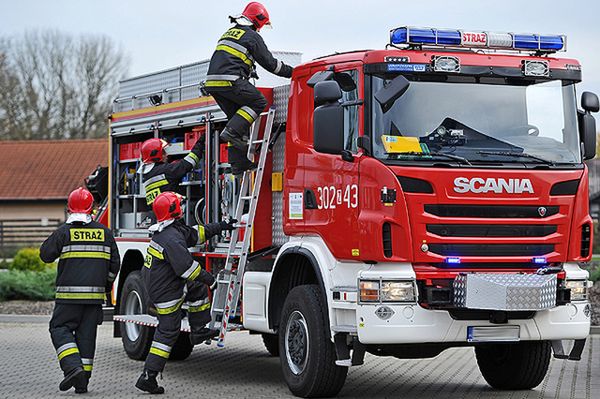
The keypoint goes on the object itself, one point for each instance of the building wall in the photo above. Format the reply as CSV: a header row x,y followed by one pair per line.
x,y
32,210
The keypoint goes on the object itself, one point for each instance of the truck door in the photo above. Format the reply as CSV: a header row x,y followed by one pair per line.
x,y
331,183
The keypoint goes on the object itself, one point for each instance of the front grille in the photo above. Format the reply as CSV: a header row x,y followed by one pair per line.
x,y
386,233
491,211
493,230
485,250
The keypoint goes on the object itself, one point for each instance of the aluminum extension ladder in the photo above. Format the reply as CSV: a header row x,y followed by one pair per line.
x,y
226,298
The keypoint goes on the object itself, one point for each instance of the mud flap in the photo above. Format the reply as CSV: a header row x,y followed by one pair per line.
x,y
576,351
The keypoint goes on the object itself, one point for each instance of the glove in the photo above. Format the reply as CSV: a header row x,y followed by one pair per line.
x,y
224,225
207,278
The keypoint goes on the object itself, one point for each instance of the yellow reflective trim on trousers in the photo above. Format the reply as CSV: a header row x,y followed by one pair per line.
x,y
201,234
171,309
195,273
235,53
245,115
94,255
88,367
80,295
155,253
67,352
217,83
201,308
156,184
159,352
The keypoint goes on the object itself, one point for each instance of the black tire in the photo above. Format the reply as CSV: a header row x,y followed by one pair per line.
x,y
271,342
182,348
516,366
305,316
136,345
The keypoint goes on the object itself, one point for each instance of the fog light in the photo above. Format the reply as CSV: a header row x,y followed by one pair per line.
x,y
397,291
369,291
579,289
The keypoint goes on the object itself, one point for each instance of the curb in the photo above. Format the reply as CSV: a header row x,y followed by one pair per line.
x,y
595,330
43,319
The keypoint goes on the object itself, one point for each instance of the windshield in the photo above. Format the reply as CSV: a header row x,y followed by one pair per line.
x,y
478,122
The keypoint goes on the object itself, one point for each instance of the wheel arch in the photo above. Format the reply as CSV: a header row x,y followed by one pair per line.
x,y
302,268
133,260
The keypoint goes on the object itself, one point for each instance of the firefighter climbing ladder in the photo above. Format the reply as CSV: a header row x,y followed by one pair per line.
x,y
225,302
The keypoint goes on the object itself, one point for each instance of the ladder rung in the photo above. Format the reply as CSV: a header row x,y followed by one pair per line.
x,y
257,142
246,197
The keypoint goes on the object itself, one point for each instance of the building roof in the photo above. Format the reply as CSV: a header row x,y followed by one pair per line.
x,y
47,170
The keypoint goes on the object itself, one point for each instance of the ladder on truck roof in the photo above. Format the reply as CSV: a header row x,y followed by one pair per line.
x,y
226,298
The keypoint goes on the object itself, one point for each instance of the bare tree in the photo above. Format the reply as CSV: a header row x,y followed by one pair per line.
x,y
54,85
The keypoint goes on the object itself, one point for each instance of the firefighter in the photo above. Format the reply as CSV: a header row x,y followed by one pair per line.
x,y
160,176
88,264
231,65
169,269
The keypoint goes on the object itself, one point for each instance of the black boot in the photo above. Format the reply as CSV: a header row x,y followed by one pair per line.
x,y
234,138
73,377
239,161
82,386
202,335
147,383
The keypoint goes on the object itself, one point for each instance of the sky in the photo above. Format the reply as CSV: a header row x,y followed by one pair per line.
x,y
158,34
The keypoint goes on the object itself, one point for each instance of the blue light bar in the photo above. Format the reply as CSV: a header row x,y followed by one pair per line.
x,y
453,260
539,260
477,39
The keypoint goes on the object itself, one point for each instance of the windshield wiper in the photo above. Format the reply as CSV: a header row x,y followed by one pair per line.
x,y
517,154
439,154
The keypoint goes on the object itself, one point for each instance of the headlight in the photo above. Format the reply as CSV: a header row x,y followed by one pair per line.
x,y
579,289
387,291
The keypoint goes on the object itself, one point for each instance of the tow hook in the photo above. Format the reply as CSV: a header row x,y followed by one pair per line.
x,y
548,270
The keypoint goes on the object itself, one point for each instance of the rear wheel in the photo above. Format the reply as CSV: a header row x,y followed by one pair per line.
x,y
271,342
521,365
134,301
306,352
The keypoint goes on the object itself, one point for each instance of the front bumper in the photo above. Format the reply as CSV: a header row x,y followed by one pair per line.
x,y
415,324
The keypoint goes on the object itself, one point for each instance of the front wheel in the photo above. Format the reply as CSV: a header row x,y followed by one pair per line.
x,y
134,301
306,352
515,366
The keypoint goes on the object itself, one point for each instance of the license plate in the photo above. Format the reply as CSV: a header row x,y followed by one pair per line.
x,y
493,333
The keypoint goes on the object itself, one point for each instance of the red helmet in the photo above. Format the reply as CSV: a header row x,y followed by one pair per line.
x,y
257,14
80,201
153,150
167,206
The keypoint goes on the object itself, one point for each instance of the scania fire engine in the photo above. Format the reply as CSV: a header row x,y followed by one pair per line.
x,y
426,196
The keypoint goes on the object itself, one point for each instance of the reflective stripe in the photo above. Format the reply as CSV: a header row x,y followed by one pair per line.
x,y
63,288
87,361
94,255
217,83
279,66
88,364
66,350
233,45
66,346
241,112
192,271
250,112
201,308
169,307
80,295
156,246
198,302
163,347
155,253
88,367
236,53
86,248
201,234
155,179
159,352
231,78
192,159
154,185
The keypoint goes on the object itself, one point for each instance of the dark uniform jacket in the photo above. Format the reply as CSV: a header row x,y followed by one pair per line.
x,y
169,264
88,261
237,51
167,176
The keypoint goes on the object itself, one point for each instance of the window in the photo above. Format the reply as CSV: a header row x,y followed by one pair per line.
x,y
351,114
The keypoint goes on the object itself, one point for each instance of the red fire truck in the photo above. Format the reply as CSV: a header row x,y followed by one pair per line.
x,y
426,196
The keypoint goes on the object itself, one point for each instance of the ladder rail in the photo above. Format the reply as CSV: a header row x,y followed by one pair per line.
x,y
248,192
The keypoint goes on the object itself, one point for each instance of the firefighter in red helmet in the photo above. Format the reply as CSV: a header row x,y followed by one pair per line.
x,y
231,65
88,264
169,270
160,176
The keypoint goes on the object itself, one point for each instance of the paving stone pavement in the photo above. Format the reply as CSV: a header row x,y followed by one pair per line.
x,y
28,369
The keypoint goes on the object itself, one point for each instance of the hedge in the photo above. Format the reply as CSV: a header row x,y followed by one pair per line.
x,y
17,284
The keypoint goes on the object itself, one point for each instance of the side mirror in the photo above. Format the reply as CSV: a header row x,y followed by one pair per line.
x,y
589,102
587,132
327,92
388,94
328,119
